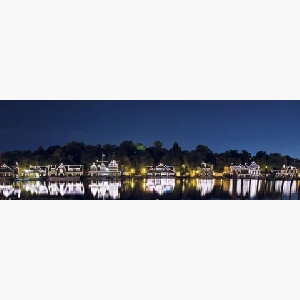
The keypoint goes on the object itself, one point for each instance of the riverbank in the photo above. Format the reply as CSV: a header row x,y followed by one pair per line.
x,y
9,180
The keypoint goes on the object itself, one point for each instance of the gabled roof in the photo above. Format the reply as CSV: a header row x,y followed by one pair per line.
x,y
61,167
113,163
5,168
167,168
289,168
252,166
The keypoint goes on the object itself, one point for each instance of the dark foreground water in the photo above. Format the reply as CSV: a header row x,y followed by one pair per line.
x,y
145,189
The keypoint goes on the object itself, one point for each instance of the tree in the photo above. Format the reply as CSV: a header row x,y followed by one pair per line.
x,y
89,154
110,151
187,159
146,159
174,156
140,147
176,148
158,144
157,153
125,161
226,159
74,150
52,149
200,155
58,156
127,148
275,161
40,150
245,156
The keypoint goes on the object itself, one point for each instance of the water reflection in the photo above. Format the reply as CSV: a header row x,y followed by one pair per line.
x,y
105,189
54,188
9,190
160,185
285,187
244,188
6,190
36,187
262,189
73,188
205,186
153,188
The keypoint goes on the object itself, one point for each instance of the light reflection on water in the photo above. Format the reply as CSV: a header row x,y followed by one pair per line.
x,y
205,186
153,188
160,185
246,188
105,189
286,187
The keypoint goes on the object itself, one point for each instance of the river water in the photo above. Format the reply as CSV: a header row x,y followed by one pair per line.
x,y
147,189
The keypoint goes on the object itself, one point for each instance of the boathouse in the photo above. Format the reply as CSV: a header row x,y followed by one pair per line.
x,y
35,172
246,171
161,170
65,170
287,172
206,170
112,170
6,171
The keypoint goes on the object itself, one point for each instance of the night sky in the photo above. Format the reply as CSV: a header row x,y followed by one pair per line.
x,y
271,126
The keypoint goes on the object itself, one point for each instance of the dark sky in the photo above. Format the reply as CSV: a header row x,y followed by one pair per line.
x,y
271,126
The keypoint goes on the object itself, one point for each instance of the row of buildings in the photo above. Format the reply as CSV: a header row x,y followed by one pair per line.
x,y
253,171
40,172
101,169
240,171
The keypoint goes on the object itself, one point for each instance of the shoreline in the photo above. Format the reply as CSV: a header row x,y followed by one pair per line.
x,y
7,180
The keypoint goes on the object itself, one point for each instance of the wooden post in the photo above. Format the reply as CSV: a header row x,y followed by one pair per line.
x,y
265,189
290,196
257,188
249,189
242,185
234,183
281,192
273,190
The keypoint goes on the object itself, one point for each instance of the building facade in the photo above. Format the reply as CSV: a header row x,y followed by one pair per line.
x,y
34,172
245,171
161,170
65,170
6,172
206,170
287,172
101,170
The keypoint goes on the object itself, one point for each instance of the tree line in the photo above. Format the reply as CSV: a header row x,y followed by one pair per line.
x,y
138,156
